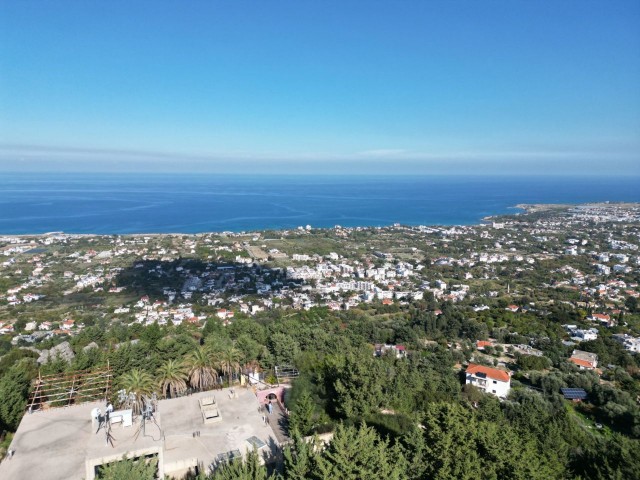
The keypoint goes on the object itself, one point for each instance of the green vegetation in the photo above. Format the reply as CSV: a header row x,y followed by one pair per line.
x,y
129,469
397,416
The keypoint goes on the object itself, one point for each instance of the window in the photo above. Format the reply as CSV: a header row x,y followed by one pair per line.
x,y
493,391
494,382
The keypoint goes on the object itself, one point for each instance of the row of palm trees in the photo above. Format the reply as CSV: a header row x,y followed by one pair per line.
x,y
200,370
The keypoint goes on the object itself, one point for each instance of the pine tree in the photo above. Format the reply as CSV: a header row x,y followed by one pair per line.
x,y
302,415
359,454
129,469
451,450
414,450
246,469
358,386
300,458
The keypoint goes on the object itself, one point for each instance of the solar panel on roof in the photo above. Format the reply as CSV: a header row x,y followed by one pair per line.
x,y
256,442
574,393
228,456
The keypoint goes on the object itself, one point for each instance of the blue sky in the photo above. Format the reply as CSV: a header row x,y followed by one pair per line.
x,y
333,86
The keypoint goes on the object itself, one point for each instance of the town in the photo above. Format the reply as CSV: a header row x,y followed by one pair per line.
x,y
240,273
543,301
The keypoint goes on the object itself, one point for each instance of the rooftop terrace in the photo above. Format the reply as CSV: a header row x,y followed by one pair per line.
x,y
65,443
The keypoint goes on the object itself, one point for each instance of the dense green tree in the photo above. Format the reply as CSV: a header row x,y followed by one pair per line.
x,y
284,348
129,469
451,451
300,457
129,356
357,384
403,384
14,391
87,359
614,458
19,324
13,357
151,335
302,415
5,345
250,348
632,304
175,347
248,468
214,327
246,326
460,446
358,453
532,362
414,449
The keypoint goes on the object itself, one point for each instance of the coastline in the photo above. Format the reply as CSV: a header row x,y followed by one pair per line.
x,y
525,208
179,205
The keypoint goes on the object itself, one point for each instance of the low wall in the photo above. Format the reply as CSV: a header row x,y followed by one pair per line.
x,y
277,391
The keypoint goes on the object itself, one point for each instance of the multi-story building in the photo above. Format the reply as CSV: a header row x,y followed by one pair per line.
x,y
491,380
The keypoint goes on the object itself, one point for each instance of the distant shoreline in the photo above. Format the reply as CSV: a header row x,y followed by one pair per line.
x,y
185,205
525,207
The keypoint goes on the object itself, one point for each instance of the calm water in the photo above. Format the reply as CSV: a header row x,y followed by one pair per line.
x,y
85,203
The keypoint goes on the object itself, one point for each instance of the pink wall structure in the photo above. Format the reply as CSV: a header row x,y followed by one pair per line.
x,y
277,391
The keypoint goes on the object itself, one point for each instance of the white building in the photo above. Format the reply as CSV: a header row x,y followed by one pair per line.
x,y
440,285
586,335
630,343
491,380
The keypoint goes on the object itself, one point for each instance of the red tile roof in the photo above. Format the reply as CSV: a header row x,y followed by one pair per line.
x,y
492,373
581,363
483,343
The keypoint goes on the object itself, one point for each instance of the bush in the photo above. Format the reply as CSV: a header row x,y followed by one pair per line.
x,y
532,362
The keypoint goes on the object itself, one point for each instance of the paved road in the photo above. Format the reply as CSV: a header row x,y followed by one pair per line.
x,y
279,424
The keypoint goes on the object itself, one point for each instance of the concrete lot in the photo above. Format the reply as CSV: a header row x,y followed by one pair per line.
x,y
240,420
63,444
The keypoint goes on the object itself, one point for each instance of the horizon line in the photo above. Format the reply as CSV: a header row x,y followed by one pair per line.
x,y
324,174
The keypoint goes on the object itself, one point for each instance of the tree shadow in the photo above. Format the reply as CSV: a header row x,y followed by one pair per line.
x,y
283,424
189,279
272,456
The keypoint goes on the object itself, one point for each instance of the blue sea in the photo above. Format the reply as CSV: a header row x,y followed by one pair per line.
x,y
143,203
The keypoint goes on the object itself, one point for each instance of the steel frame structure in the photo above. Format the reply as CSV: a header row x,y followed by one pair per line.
x,y
285,372
62,390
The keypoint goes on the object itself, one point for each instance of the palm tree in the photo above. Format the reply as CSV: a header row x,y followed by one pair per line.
x,y
172,378
229,362
137,384
201,367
